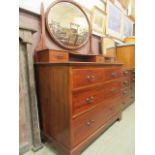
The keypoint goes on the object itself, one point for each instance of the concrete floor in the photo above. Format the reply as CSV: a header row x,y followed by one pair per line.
x,y
117,140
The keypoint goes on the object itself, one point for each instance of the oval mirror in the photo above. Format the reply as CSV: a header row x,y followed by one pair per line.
x,y
108,47
68,24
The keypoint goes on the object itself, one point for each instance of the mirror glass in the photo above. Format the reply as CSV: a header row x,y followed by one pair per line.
x,y
108,47
68,25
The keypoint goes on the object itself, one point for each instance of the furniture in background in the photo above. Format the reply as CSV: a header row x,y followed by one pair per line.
x,y
126,54
130,39
29,135
108,48
128,87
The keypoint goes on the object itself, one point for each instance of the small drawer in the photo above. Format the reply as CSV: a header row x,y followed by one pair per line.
x,y
112,89
51,56
85,99
84,77
86,124
112,73
58,56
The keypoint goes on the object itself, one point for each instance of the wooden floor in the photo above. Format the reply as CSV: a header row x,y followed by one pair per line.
x,y
117,140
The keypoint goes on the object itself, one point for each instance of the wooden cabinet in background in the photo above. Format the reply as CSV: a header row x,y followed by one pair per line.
x,y
128,87
78,101
126,54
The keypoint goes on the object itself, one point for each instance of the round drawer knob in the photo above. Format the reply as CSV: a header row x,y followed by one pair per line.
x,y
88,123
113,74
93,121
126,72
90,77
125,82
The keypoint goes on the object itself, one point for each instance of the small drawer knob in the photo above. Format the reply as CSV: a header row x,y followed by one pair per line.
x,y
88,123
113,74
126,72
93,77
90,77
125,82
90,99
93,121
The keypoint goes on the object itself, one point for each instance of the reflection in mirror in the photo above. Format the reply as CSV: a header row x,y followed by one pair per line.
x,y
68,25
108,47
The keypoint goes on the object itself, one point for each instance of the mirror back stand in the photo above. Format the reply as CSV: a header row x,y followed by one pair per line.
x,y
42,45
44,54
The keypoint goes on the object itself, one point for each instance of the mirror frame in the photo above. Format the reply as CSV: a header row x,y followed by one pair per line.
x,y
52,35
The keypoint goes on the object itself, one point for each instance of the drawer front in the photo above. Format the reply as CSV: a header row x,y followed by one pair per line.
x,y
112,89
113,73
87,123
58,56
83,77
85,99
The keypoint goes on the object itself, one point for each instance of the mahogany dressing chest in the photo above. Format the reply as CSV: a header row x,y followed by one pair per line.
x,y
78,101
79,96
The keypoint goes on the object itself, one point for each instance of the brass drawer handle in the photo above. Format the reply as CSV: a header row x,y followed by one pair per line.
x,y
91,77
114,74
90,99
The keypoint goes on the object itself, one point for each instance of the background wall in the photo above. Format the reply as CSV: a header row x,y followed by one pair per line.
x,y
35,5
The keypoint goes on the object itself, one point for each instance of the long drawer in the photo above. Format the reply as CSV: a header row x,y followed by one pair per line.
x,y
112,73
112,89
87,123
85,99
84,77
